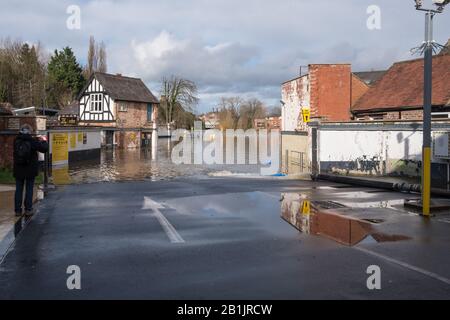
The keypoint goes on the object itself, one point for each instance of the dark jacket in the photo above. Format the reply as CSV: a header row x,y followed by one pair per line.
x,y
30,170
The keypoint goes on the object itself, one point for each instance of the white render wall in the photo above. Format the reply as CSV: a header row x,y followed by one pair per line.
x,y
93,140
295,95
350,145
374,152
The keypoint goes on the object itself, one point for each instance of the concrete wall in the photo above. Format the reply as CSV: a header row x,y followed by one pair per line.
x,y
377,150
295,155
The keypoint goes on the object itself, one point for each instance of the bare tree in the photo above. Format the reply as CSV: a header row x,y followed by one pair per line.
x,y
91,58
252,109
235,112
177,95
229,112
102,65
96,59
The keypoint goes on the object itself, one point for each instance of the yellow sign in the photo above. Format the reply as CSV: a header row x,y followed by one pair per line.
x,y
60,175
306,113
73,140
80,137
60,148
306,207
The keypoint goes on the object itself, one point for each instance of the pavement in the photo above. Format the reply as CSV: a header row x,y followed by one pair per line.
x,y
390,183
219,238
7,215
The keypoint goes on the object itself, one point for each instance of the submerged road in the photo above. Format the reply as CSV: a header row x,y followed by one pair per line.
x,y
215,238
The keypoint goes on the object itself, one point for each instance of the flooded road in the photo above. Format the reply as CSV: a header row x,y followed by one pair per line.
x,y
131,165
218,238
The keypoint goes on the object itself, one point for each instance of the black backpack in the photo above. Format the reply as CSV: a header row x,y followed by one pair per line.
x,y
22,152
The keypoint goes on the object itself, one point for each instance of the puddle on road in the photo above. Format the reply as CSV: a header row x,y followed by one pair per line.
x,y
127,165
334,220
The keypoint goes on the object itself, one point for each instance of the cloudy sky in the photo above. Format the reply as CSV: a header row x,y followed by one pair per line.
x,y
228,47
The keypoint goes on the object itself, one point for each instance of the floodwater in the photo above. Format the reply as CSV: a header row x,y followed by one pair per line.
x,y
344,223
128,164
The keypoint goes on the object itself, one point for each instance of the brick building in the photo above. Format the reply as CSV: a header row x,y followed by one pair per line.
x,y
123,106
210,120
328,91
268,123
398,95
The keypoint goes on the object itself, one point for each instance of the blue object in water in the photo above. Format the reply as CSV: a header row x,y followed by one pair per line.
x,y
279,175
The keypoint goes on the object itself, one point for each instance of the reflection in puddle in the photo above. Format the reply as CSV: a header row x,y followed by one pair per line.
x,y
326,218
127,164
20,224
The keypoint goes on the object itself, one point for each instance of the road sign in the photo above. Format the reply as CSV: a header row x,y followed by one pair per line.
x,y
306,113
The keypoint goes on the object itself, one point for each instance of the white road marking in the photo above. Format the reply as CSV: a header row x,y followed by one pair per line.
x,y
444,220
406,265
171,232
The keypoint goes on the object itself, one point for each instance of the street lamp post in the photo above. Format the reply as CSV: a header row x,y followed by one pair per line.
x,y
427,49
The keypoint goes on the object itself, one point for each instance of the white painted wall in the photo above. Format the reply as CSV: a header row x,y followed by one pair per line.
x,y
350,145
93,140
295,95
84,106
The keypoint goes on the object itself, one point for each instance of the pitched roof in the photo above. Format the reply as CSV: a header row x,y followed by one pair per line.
x,y
370,77
125,88
401,87
446,48
72,108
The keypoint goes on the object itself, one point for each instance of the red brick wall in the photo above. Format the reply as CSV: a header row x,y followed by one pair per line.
x,y
7,138
134,117
394,115
7,149
412,115
330,91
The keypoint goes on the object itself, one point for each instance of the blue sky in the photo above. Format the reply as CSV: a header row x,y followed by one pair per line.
x,y
227,47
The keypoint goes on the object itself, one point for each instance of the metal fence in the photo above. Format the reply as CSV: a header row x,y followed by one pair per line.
x,y
295,162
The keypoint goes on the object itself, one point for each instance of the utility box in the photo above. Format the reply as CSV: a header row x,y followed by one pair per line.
x,y
441,145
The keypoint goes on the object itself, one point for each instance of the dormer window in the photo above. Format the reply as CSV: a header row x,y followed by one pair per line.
x,y
96,101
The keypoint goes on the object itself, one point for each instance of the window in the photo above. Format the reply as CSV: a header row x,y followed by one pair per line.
x,y
123,107
149,112
96,102
440,115
377,117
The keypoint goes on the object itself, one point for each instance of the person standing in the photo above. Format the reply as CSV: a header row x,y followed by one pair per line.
x,y
26,167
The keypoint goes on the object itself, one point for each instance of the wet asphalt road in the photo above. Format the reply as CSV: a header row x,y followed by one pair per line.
x,y
234,246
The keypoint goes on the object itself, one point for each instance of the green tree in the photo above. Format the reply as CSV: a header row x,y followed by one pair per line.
x,y
65,77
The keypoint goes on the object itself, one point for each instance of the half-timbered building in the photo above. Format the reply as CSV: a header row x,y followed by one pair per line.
x,y
123,106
